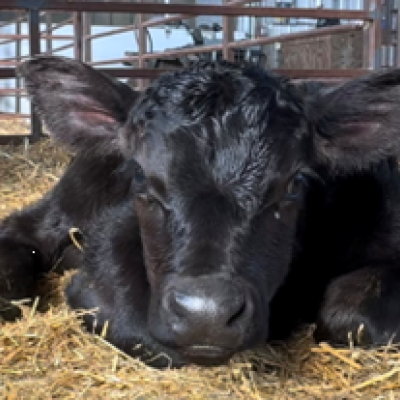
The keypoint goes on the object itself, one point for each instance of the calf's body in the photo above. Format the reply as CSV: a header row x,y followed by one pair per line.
x,y
220,208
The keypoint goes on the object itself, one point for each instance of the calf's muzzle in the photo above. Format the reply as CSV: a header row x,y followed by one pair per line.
x,y
206,317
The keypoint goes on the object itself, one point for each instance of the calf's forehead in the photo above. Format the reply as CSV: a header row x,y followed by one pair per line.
x,y
223,125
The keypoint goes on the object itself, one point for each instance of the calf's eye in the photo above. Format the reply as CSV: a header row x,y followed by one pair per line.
x,y
295,187
140,179
147,200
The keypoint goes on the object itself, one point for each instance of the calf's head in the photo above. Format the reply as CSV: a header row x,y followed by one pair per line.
x,y
220,157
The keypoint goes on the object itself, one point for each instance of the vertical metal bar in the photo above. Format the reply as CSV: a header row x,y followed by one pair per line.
x,y
385,31
391,29
376,34
18,56
78,35
397,34
142,49
87,44
227,26
49,43
366,38
34,49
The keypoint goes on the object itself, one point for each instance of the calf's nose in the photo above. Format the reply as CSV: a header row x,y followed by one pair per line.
x,y
208,312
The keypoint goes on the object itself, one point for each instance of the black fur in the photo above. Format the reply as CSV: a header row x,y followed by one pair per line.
x,y
220,208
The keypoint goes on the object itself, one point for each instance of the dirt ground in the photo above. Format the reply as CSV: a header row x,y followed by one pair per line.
x,y
49,356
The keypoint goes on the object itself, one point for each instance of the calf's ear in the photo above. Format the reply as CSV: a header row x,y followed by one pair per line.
x,y
81,107
357,123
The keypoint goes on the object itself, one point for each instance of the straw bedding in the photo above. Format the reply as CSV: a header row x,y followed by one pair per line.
x,y
47,355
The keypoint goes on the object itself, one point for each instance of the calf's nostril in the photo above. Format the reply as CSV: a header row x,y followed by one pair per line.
x,y
222,311
237,315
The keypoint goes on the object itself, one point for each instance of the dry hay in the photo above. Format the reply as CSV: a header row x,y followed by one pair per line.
x,y
48,355
14,126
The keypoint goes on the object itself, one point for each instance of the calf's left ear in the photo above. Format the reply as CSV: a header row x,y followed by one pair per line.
x,y
80,106
357,123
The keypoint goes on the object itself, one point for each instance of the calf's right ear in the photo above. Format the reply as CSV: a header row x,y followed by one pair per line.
x,y
358,122
81,107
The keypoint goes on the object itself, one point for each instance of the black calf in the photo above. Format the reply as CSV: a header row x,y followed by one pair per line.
x,y
219,209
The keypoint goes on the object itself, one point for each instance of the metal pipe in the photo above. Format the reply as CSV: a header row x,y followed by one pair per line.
x,y
161,8
42,36
59,25
34,49
63,47
13,116
78,36
178,17
227,26
111,32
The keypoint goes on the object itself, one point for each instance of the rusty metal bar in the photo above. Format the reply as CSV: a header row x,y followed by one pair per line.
x,y
49,44
34,49
18,53
8,41
177,17
7,62
377,11
111,32
227,26
78,36
397,38
86,28
162,8
374,48
367,38
17,91
43,36
142,48
13,116
60,25
63,47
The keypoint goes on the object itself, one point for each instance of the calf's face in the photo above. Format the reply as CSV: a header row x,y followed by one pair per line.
x,y
219,158
217,214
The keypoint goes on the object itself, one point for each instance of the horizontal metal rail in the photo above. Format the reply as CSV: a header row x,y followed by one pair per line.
x,y
59,25
19,91
178,17
13,116
187,9
42,36
63,47
111,32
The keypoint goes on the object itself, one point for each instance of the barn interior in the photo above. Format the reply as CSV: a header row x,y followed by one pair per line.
x,y
47,354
